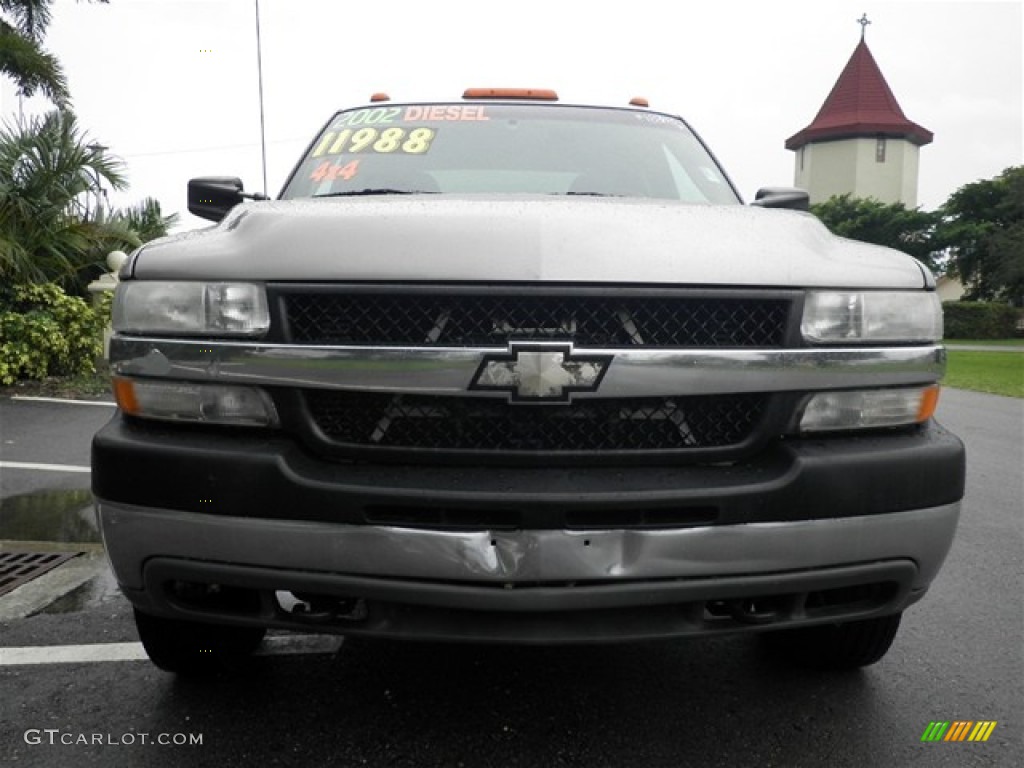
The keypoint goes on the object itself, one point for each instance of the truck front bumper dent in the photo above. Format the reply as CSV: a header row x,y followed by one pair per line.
x,y
527,585
248,528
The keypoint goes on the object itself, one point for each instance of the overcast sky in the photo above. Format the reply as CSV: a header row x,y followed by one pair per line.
x,y
171,85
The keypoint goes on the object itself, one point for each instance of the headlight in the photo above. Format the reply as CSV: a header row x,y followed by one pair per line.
x,y
194,402
191,309
867,317
869,409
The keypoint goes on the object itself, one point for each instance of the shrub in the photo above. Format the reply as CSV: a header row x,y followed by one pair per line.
x,y
44,332
978,320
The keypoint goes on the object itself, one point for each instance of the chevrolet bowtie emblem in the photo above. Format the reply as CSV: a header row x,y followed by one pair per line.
x,y
540,372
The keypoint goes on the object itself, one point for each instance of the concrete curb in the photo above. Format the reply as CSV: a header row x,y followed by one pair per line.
x,y
36,595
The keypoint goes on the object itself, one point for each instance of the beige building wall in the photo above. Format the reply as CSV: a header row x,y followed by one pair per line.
x,y
949,288
882,168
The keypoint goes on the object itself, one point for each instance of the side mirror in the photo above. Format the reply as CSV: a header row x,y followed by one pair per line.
x,y
211,197
783,197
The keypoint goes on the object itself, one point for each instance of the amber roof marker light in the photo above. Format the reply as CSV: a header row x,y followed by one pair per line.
x,y
379,96
537,94
639,101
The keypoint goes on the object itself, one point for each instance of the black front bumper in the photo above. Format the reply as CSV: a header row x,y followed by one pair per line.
x,y
262,475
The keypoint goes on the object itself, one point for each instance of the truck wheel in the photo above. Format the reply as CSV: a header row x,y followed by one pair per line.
x,y
194,648
848,645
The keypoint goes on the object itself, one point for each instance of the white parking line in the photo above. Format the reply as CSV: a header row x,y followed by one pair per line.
x,y
63,400
71,654
43,467
278,645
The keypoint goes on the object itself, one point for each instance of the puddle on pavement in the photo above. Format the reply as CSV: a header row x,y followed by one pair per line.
x,y
63,516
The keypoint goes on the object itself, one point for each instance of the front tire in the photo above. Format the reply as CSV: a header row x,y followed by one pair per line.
x,y
849,645
194,648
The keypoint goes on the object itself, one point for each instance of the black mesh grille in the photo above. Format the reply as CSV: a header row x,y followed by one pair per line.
x,y
476,424
488,320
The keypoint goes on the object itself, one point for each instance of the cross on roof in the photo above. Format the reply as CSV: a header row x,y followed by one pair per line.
x,y
863,21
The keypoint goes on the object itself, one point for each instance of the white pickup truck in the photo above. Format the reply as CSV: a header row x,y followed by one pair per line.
x,y
511,370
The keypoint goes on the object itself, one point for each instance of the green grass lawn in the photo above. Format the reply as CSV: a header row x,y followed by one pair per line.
x,y
985,342
1000,373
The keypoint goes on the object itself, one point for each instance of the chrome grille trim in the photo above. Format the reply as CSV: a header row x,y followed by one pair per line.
x,y
633,372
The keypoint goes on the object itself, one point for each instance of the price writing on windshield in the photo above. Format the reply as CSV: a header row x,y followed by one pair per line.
x,y
410,141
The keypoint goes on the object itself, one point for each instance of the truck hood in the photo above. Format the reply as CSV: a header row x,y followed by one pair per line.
x,y
446,238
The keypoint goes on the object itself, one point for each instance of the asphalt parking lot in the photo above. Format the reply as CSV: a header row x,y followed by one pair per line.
x,y
77,690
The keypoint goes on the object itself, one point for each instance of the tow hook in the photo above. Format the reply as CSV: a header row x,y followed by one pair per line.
x,y
325,610
753,610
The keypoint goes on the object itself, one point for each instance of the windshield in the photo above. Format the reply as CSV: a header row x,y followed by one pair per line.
x,y
509,149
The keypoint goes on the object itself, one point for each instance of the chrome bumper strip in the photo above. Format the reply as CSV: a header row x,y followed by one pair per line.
x,y
450,370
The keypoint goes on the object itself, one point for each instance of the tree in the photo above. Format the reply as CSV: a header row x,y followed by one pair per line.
x,y
49,172
23,25
145,219
983,229
890,224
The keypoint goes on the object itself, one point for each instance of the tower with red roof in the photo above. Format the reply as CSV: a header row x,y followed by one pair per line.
x,y
860,142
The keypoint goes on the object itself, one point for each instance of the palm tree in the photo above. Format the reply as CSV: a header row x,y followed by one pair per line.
x,y
145,219
23,24
49,172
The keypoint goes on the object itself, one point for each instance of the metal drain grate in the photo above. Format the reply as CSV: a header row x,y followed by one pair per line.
x,y
16,568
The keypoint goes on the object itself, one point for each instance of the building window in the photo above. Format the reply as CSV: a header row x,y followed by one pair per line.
x,y
880,149
802,150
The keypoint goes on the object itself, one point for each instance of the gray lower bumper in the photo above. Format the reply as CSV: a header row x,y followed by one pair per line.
x,y
540,585
134,534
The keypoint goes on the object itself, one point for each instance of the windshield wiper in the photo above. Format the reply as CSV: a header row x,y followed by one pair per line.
x,y
380,191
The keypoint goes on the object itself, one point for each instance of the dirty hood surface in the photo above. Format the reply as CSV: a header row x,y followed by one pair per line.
x,y
444,238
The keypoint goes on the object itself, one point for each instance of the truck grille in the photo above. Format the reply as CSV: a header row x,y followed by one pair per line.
x,y
479,424
488,319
